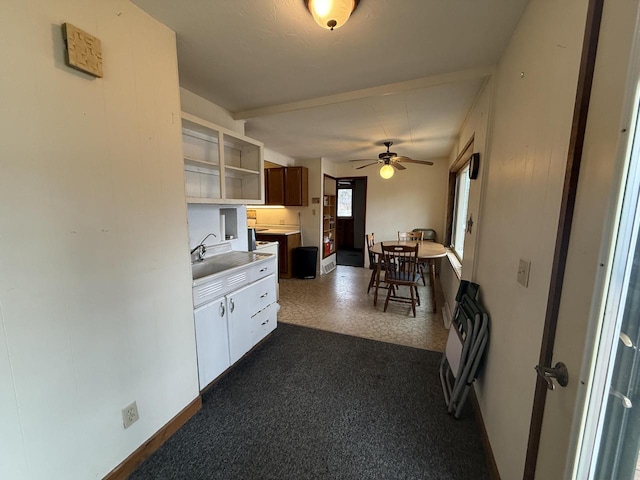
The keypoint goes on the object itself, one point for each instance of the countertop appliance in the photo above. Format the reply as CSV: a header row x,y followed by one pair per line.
x,y
251,237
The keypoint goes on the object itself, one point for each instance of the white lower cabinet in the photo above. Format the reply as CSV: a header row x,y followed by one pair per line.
x,y
244,304
230,326
212,340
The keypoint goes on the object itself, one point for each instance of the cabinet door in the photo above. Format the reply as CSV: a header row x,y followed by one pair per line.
x,y
211,341
296,186
274,186
239,304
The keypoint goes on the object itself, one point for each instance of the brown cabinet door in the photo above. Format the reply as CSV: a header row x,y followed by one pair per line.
x,y
283,252
274,179
296,181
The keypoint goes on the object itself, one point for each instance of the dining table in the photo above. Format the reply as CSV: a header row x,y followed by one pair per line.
x,y
428,251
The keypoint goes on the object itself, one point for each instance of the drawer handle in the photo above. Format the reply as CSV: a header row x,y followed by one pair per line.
x,y
232,306
264,295
265,322
263,269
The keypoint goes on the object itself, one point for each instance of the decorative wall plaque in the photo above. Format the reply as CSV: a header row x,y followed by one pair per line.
x,y
84,51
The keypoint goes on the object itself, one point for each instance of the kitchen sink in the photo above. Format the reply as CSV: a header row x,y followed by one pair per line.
x,y
223,262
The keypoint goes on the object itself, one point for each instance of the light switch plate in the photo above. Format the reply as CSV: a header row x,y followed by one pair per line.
x,y
523,272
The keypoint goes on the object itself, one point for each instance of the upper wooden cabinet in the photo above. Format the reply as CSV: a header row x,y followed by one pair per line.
x,y
287,186
220,166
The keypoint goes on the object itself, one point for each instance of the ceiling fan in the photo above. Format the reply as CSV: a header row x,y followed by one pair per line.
x,y
390,160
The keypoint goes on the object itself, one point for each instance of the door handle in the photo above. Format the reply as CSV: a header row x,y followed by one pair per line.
x,y
559,372
626,403
232,305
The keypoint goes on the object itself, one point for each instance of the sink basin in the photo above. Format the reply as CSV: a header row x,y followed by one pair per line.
x,y
204,269
223,262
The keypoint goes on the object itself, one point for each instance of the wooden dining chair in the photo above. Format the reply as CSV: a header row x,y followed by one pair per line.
x,y
416,235
401,263
429,235
409,236
374,262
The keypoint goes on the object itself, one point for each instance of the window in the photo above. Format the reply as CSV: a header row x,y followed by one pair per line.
x,y
345,202
460,204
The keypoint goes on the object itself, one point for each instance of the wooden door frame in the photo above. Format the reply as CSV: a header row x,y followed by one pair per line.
x,y
572,172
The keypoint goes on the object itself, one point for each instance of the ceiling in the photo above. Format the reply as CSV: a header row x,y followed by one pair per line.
x,y
406,71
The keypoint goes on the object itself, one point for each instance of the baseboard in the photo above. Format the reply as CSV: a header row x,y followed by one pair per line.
x,y
122,471
446,315
492,466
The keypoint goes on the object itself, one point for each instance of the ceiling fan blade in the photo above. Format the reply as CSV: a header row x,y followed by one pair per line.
x,y
411,160
398,166
367,165
364,160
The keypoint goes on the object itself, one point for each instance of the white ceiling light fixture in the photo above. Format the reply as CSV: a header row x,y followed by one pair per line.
x,y
331,14
386,171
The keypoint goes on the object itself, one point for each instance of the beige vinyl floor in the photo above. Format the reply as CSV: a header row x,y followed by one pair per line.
x,y
338,302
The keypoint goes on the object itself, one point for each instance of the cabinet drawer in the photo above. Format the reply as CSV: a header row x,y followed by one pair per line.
x,y
262,270
263,293
264,322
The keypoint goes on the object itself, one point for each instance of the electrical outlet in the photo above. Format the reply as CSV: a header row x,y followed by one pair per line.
x,y
313,211
523,272
282,221
130,415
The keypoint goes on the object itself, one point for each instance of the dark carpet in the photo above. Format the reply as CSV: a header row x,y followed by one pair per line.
x,y
309,404
350,257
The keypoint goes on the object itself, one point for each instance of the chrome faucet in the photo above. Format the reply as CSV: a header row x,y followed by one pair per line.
x,y
201,248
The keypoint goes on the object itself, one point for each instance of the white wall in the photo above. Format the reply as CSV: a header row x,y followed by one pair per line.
x,y
476,126
531,123
412,198
95,300
275,157
222,221
311,215
206,110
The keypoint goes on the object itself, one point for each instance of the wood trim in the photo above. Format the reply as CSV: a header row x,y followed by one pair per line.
x,y
572,172
461,160
492,466
144,451
451,198
463,157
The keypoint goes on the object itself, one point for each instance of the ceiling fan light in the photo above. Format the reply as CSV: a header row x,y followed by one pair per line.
x,y
331,14
386,171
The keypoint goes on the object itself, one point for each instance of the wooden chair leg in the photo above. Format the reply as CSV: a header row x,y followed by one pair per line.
x,y
413,301
417,295
386,303
372,280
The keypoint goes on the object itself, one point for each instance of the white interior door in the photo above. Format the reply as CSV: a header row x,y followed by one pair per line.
x,y
589,261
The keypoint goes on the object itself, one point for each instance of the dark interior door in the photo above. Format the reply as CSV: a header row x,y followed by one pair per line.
x,y
350,223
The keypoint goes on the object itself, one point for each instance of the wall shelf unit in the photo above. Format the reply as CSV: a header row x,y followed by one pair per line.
x,y
221,166
329,217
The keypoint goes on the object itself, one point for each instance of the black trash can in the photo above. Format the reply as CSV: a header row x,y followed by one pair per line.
x,y
304,262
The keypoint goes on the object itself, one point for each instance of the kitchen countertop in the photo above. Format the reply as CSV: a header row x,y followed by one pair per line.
x,y
275,231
